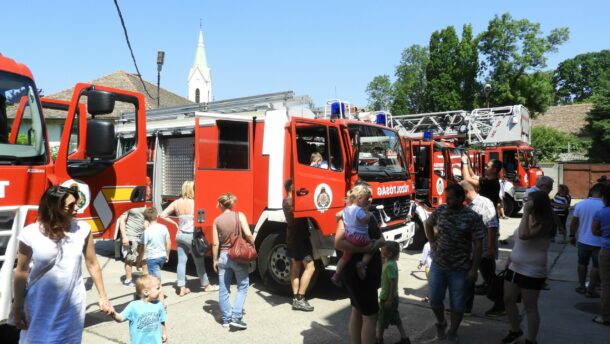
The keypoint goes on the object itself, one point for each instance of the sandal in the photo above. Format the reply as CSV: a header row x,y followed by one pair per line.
x,y
210,288
580,290
186,292
599,320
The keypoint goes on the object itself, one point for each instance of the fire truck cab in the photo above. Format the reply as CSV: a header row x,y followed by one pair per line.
x,y
251,153
87,157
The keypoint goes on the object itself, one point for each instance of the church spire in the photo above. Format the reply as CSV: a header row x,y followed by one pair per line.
x,y
199,79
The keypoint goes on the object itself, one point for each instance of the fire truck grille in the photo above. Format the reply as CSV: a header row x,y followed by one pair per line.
x,y
6,223
395,208
178,163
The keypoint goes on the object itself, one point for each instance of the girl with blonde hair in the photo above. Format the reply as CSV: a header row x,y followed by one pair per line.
x,y
184,208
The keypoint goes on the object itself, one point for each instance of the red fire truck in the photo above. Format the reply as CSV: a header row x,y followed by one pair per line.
x,y
109,184
501,133
250,146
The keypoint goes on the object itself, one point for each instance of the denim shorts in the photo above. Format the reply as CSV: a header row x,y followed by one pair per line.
x,y
438,282
586,252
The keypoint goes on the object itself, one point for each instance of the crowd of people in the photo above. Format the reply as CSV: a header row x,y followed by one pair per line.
x,y
463,240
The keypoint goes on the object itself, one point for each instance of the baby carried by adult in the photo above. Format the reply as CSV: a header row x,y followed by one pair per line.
x,y
356,217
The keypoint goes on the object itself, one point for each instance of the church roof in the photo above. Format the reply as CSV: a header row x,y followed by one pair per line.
x,y
201,61
125,81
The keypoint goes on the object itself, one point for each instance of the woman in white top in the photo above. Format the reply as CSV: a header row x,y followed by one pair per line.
x,y
49,293
184,207
527,263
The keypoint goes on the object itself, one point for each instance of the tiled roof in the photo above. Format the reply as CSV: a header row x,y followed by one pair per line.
x,y
125,81
565,118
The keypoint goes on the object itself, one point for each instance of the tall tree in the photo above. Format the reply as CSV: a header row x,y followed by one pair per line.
x,y
598,120
577,78
442,71
469,68
410,84
380,93
514,54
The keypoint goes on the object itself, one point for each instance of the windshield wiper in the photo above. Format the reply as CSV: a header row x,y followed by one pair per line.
x,y
7,159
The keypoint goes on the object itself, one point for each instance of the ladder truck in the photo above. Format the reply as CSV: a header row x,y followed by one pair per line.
x,y
250,146
502,133
108,186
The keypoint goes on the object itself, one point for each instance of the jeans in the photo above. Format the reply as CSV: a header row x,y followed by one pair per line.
x,y
439,280
183,250
604,274
155,265
226,269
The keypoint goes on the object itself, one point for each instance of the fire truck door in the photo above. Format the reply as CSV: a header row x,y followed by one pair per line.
x,y
110,180
223,164
318,172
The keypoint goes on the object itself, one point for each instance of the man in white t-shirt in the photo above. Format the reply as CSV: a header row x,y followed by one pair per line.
x,y
588,244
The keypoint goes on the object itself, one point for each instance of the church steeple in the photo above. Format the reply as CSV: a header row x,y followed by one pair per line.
x,y
200,78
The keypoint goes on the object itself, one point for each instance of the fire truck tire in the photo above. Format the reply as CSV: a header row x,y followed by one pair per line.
x,y
419,238
510,207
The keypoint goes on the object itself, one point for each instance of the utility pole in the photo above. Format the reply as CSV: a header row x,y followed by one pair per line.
x,y
160,58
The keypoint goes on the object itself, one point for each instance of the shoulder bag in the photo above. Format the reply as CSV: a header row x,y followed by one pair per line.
x,y
241,250
200,245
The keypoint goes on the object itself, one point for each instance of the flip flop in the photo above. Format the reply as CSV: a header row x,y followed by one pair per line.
x,y
598,320
210,288
186,292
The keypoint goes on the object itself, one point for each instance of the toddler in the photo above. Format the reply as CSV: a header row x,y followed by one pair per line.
x,y
356,217
147,315
155,243
426,262
388,298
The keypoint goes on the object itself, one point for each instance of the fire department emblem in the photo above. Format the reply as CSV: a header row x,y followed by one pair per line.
x,y
83,192
396,209
323,197
440,186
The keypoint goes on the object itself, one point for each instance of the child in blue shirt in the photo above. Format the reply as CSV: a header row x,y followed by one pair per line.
x,y
147,315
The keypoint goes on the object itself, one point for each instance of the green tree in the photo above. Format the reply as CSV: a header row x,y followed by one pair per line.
x,y
598,121
515,53
469,68
577,78
442,72
380,93
410,84
550,142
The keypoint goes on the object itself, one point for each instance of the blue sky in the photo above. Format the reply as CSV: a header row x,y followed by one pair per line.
x,y
312,47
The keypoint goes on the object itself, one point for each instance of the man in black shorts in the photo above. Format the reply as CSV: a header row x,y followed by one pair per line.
x,y
302,266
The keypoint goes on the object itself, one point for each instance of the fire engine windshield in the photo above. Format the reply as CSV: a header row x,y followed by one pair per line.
x,y
21,123
380,155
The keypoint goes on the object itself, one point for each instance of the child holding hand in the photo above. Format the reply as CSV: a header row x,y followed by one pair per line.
x,y
147,315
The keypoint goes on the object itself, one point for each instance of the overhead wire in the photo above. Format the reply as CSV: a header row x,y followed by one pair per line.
x,y
133,58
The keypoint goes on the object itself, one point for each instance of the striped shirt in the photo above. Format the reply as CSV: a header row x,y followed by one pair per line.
x,y
559,201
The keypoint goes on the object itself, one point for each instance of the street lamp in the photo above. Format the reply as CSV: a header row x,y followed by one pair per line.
x,y
487,90
160,58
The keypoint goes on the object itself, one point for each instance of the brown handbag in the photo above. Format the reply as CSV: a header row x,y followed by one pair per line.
x,y
241,250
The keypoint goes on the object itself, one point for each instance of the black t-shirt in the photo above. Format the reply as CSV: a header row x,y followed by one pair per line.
x,y
296,230
490,188
363,293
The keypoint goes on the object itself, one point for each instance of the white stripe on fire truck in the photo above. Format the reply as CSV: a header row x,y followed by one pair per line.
x,y
103,209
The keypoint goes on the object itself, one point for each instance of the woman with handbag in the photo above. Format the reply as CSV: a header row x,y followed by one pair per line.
x,y
184,207
527,264
231,233
49,293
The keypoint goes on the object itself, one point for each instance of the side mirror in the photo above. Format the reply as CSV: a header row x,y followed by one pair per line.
x,y
100,102
100,140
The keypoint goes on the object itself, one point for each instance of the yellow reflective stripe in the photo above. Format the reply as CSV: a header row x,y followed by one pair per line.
x,y
96,225
115,194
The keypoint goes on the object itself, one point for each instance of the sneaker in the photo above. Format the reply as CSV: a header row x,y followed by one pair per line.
x,y
225,324
440,330
129,283
238,324
453,338
495,312
512,337
301,305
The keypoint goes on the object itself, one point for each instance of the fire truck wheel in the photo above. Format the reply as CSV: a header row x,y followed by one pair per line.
x,y
419,238
274,264
509,205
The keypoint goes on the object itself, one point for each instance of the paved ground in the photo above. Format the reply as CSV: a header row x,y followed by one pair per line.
x,y
566,316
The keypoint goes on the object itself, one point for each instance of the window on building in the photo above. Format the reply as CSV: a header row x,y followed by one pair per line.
x,y
197,93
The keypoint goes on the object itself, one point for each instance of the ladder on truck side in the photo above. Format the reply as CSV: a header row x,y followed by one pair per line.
x,y
483,126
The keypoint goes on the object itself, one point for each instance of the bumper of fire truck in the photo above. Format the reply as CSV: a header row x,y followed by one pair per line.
x,y
402,233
